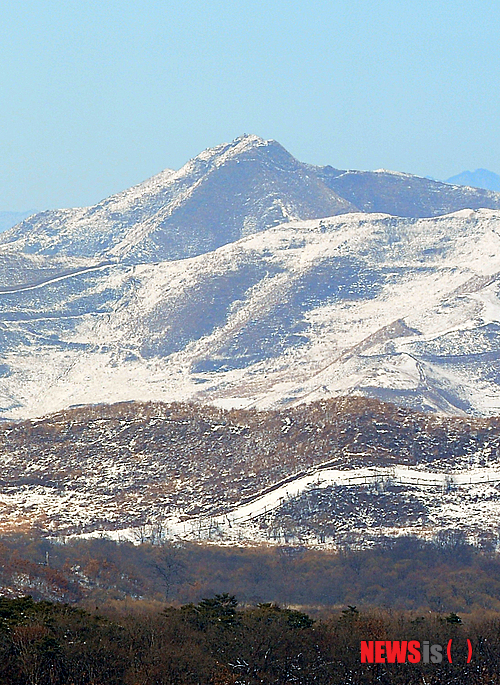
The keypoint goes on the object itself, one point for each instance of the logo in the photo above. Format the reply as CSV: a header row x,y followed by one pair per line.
x,y
403,651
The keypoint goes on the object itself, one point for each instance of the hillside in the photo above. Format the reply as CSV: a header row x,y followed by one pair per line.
x,y
405,310
200,472
10,219
400,194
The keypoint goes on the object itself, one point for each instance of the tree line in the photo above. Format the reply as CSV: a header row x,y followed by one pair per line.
x,y
443,575
217,642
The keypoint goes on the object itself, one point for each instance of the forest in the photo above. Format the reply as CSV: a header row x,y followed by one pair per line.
x,y
217,642
446,574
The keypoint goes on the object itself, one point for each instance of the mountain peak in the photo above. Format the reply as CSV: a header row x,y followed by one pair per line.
x,y
227,192
246,146
224,193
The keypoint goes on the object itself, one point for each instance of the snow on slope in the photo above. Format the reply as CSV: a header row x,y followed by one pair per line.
x,y
222,194
466,500
316,471
402,309
10,219
88,231
325,477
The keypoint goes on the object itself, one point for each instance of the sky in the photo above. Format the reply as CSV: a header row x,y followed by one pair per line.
x,y
98,96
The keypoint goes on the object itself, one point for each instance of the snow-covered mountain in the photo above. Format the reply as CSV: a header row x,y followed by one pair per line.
x,y
249,280
401,309
224,194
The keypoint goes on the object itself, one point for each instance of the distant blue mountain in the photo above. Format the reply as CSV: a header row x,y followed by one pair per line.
x,y
9,219
480,178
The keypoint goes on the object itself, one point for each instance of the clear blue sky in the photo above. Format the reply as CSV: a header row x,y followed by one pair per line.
x,y
97,96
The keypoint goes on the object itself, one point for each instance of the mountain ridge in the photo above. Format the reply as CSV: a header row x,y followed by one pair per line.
x,y
224,193
304,310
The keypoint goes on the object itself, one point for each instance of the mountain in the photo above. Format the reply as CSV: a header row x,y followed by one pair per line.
x,y
402,194
401,309
220,196
248,278
253,315
224,194
480,178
